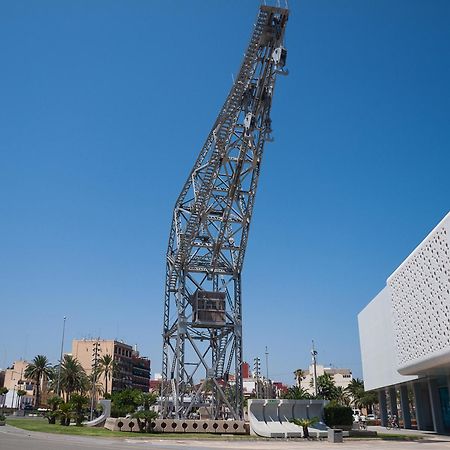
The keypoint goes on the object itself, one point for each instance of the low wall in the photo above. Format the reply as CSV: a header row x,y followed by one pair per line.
x,y
181,426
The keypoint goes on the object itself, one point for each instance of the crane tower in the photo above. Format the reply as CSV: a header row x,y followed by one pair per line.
x,y
202,333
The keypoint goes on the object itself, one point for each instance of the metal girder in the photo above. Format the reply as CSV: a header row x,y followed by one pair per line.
x,y
208,238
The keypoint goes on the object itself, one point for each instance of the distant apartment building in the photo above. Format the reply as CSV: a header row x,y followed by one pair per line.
x,y
341,377
140,377
14,381
131,370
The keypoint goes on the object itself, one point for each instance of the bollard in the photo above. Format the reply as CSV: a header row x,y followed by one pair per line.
x,y
335,435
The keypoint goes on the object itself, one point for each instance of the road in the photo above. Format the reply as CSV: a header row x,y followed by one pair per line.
x,y
14,439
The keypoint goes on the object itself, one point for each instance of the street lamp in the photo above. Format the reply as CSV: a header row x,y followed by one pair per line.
x,y
60,357
314,360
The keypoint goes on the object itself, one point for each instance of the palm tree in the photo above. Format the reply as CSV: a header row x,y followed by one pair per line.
x,y
78,403
326,387
106,367
356,391
54,403
65,413
299,376
20,393
145,416
341,396
73,376
3,392
305,423
296,393
37,371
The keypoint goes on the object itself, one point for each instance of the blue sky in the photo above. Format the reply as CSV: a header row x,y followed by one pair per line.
x,y
104,107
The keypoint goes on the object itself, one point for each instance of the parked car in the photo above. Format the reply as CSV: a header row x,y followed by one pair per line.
x,y
371,417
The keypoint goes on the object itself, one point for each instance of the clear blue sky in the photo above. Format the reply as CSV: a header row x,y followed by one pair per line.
x,y
104,106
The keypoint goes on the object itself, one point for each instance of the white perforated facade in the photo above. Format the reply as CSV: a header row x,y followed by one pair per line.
x,y
413,313
420,299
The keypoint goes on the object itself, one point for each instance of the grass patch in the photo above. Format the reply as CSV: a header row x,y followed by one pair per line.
x,y
40,424
399,437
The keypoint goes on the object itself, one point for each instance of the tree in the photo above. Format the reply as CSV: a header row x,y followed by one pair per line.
x,y
65,413
356,390
341,396
125,402
145,416
20,394
326,388
37,371
368,399
296,393
3,392
73,376
78,403
54,403
305,423
299,376
106,367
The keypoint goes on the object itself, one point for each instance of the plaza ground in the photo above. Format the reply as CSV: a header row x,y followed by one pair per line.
x,y
12,438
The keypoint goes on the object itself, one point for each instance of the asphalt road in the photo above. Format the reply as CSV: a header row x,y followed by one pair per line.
x,y
14,439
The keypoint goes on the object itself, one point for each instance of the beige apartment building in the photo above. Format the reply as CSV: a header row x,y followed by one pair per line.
x,y
15,381
131,370
341,377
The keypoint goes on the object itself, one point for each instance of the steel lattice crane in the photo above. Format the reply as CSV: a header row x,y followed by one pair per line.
x,y
202,334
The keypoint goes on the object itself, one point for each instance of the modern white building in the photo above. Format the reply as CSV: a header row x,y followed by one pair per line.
x,y
405,337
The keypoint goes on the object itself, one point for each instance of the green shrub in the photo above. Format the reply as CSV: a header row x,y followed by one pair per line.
x,y
337,415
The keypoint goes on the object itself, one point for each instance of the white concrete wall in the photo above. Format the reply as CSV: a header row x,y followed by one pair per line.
x,y
376,337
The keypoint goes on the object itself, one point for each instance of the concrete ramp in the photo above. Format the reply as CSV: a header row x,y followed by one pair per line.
x,y
273,420
100,420
285,414
258,424
300,411
315,409
271,417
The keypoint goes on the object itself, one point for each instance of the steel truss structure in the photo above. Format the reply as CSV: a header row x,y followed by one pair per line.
x,y
202,334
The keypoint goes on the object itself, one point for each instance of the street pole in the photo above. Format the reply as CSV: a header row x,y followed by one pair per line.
x,y
95,352
60,357
314,354
14,394
267,364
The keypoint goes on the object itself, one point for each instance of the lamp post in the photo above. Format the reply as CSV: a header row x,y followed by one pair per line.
x,y
314,360
60,357
267,364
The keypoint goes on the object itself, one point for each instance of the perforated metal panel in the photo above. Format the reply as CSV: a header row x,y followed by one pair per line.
x,y
421,299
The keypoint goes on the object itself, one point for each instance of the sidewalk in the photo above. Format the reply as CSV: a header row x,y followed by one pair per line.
x,y
425,434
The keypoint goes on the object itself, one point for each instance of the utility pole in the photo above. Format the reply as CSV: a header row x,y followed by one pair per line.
x,y
95,353
314,361
58,385
257,373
